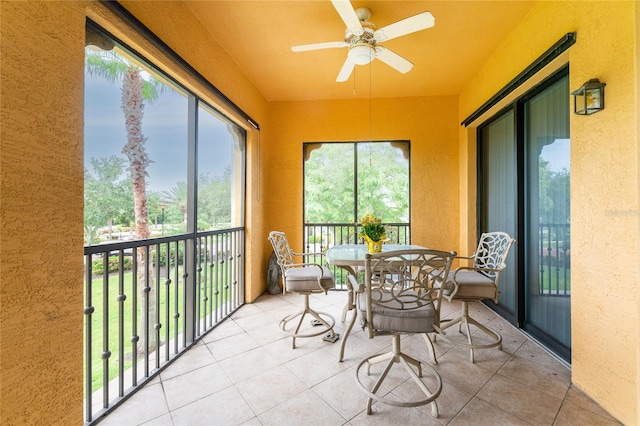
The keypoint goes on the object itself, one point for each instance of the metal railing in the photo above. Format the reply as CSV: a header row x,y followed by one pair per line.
x,y
554,275
318,237
147,301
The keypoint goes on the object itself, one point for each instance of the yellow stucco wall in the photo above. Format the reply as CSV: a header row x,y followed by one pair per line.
x,y
41,212
430,125
604,179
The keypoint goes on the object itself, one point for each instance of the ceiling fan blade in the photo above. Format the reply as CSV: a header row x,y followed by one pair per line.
x,y
317,46
345,72
393,60
348,15
409,25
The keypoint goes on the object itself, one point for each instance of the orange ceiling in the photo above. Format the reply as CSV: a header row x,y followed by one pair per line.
x,y
258,36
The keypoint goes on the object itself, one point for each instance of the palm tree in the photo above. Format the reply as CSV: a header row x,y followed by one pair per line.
x,y
178,197
135,91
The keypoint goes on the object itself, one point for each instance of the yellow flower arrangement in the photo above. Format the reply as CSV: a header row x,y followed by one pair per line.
x,y
372,228
373,232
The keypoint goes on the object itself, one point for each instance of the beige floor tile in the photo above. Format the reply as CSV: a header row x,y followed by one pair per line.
x,y
245,372
313,367
251,309
147,404
267,333
387,415
270,388
341,393
200,382
230,346
450,402
226,407
481,413
305,409
282,350
577,398
552,379
196,357
255,321
357,348
465,375
491,359
248,364
160,421
534,352
226,329
524,402
578,409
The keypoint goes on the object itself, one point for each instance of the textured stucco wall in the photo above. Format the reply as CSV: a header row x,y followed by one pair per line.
x,y
41,212
604,185
430,125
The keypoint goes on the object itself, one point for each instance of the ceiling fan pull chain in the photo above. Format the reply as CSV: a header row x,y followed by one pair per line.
x,y
354,82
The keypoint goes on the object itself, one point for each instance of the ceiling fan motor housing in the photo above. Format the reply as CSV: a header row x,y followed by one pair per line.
x,y
361,47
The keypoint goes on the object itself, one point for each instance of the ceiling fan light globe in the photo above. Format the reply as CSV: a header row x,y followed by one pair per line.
x,y
361,54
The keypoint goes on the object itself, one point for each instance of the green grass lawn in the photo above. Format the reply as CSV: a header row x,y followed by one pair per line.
x,y
552,282
169,304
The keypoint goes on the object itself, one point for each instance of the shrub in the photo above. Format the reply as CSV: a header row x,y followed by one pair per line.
x,y
97,266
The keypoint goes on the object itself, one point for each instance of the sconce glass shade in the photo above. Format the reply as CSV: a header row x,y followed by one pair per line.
x,y
589,98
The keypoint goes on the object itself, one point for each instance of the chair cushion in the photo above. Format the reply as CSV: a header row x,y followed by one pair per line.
x,y
306,279
472,285
408,318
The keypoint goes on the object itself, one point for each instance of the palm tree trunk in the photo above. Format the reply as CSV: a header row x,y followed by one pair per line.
x,y
133,108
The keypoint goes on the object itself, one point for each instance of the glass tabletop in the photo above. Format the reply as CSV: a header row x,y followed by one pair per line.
x,y
354,254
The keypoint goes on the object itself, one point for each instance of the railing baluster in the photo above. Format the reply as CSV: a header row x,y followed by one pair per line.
x,y
105,330
88,318
121,298
167,301
202,291
156,289
145,314
225,276
554,275
135,336
185,319
159,261
176,306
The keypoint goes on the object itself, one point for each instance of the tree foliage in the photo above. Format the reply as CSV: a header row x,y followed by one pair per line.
x,y
108,196
332,174
214,200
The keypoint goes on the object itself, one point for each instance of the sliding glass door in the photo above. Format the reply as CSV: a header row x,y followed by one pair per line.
x,y
524,190
547,294
499,195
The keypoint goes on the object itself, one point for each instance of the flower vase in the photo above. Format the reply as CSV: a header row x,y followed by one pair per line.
x,y
373,246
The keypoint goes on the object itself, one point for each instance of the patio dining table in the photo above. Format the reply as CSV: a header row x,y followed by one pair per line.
x,y
351,258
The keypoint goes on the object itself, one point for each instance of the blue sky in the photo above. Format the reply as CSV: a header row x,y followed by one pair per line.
x,y
165,126
557,154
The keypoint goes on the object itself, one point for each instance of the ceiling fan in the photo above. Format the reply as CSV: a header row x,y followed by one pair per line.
x,y
362,38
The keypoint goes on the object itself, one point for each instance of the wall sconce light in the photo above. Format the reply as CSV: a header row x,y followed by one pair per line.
x,y
589,98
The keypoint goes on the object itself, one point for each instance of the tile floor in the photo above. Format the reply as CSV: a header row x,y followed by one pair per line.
x,y
245,372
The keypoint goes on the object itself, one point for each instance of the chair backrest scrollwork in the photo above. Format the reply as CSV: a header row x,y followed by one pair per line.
x,y
281,247
492,252
405,280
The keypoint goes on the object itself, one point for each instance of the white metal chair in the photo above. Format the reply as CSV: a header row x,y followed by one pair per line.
x,y
402,295
475,283
305,278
